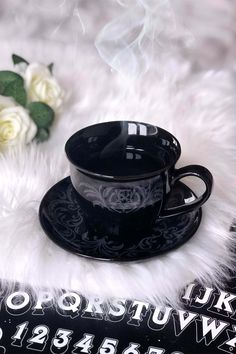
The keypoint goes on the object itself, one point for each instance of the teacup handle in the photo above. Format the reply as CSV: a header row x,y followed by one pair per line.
x,y
191,170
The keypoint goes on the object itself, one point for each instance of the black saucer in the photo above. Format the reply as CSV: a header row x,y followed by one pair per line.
x,y
62,220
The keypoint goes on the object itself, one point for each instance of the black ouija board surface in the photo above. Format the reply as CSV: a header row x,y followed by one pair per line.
x,y
73,324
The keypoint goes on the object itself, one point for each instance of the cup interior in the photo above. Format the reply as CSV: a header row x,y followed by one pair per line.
x,y
122,149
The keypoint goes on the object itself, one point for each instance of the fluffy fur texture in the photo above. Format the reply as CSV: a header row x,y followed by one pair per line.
x,y
183,91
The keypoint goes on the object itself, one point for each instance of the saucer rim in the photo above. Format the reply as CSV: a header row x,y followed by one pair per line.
x,y
67,246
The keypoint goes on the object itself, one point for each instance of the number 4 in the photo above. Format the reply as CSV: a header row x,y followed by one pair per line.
x,y
108,346
86,343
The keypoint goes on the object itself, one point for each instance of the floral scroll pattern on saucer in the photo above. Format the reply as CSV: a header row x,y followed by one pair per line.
x,y
62,219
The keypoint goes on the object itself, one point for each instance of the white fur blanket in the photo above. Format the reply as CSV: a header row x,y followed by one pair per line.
x,y
186,84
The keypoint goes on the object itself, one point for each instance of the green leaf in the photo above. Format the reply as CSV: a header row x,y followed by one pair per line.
x,y
41,113
17,59
17,91
7,77
12,85
42,135
50,67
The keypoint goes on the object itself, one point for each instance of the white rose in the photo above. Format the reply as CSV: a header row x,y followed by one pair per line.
x,y
6,102
16,127
42,86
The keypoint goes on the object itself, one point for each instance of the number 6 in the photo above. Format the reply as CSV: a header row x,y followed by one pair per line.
x,y
132,349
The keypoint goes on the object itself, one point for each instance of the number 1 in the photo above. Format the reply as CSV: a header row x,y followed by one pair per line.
x,y
19,336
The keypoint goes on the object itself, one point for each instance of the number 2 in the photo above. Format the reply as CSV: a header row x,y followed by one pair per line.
x,y
39,339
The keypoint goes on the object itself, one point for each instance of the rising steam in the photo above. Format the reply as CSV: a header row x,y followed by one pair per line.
x,y
131,43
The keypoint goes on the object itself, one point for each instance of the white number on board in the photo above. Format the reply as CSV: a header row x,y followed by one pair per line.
x,y
39,339
108,346
84,345
61,341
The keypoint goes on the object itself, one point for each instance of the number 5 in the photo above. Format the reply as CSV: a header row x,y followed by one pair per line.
x,y
108,346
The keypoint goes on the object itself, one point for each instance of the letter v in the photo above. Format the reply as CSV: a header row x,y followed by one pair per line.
x,y
182,320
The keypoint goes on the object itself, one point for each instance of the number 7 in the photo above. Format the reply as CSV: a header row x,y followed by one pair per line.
x,y
155,350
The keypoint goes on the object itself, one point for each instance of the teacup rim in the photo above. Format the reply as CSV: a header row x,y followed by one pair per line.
x,y
121,178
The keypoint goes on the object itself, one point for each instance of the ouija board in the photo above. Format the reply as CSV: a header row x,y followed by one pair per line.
x,y
70,323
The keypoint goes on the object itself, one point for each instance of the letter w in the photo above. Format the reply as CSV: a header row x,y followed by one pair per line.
x,y
209,329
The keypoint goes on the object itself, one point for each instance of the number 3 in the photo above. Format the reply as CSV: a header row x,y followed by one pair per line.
x,y
61,341
108,346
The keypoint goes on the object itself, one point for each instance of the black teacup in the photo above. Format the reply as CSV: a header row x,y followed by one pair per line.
x,y
123,172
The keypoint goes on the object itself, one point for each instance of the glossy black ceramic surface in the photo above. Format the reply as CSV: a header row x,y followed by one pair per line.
x,y
122,150
123,172
63,221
